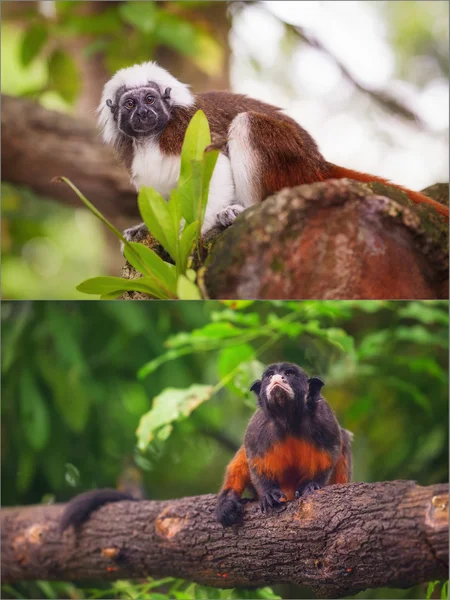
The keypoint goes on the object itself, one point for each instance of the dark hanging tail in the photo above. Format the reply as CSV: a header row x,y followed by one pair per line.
x,y
336,172
80,508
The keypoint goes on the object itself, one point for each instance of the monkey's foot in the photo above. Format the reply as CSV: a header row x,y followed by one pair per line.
x,y
306,489
227,216
274,501
134,234
218,143
228,508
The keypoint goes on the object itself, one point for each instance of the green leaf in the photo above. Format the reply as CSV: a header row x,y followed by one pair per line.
x,y
32,42
158,218
34,413
430,588
142,15
211,331
177,33
230,358
168,407
63,74
196,139
151,366
426,312
186,290
104,23
238,358
101,286
164,273
187,240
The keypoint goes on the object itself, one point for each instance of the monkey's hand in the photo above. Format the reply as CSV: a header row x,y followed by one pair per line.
x,y
228,508
307,488
134,234
273,500
227,216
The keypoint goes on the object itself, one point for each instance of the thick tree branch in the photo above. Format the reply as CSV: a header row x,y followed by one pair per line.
x,y
339,541
332,240
38,144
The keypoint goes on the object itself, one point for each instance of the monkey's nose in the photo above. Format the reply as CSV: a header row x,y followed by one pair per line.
x,y
143,114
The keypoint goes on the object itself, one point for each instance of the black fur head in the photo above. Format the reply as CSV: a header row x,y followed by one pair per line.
x,y
285,389
141,111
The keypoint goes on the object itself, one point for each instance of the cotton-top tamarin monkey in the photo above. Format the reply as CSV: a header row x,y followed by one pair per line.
x,y
144,113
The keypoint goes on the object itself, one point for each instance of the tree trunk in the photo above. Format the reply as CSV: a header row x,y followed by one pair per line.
x,y
38,144
340,540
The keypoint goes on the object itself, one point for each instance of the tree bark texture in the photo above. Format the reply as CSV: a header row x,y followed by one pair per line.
x,y
338,541
336,239
38,144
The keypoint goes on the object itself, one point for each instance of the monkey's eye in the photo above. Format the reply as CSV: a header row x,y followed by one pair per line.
x,y
129,103
290,372
149,99
270,373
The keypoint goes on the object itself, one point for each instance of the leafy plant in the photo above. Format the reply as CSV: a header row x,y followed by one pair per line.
x,y
148,25
230,333
175,224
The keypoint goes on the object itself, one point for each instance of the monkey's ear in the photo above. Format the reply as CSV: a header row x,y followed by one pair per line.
x,y
256,387
166,95
315,384
110,104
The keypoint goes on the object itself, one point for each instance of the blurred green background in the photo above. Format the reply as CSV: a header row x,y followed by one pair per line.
x,y
369,80
78,377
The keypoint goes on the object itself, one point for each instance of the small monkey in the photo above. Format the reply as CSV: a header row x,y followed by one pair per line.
x,y
144,113
293,445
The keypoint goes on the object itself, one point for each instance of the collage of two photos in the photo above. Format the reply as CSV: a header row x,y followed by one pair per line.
x,y
224,299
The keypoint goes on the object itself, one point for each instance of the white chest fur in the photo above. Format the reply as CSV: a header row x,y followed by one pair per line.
x,y
153,169
161,172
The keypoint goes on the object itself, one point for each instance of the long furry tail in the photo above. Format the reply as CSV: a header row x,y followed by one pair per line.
x,y
80,508
337,172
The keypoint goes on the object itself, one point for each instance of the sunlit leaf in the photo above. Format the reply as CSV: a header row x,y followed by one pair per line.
x,y
187,290
100,286
163,272
170,406
156,215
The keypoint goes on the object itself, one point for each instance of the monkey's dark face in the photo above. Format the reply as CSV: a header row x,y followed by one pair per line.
x,y
283,388
141,111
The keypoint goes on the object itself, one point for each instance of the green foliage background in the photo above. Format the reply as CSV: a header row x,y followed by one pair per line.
x,y
78,378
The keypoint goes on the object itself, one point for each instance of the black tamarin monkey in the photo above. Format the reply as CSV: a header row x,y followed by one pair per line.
x,y
293,445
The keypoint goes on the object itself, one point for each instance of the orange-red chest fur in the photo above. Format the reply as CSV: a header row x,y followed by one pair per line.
x,y
291,461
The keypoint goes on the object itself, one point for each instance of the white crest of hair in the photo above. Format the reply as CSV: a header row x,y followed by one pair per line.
x,y
138,76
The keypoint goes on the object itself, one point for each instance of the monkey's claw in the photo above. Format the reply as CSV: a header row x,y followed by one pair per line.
x,y
228,215
273,501
134,234
306,489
